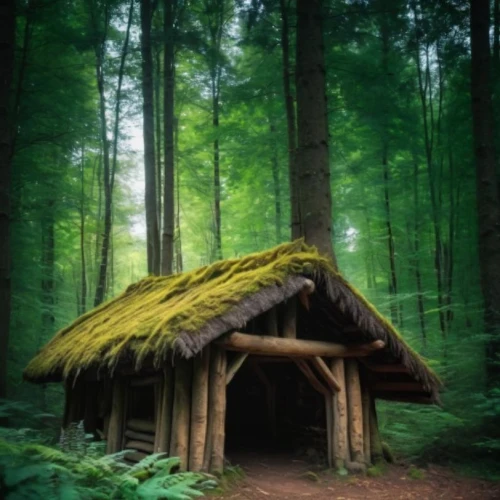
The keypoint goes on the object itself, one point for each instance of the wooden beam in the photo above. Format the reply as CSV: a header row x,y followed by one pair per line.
x,y
354,403
137,424
144,446
322,368
117,417
235,365
145,381
341,453
290,319
311,377
179,443
399,387
140,436
199,410
265,345
389,368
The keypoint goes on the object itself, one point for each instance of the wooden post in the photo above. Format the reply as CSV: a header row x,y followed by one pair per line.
x,y
355,410
199,410
375,441
340,442
214,450
235,365
179,444
163,430
366,424
118,415
290,319
329,428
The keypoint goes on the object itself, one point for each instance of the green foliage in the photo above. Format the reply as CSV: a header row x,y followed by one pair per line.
x,y
376,470
31,471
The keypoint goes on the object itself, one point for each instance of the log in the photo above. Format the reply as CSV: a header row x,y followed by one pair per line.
x,y
145,381
199,410
140,436
323,369
117,417
214,451
399,387
140,446
375,441
163,428
272,322
290,319
355,410
260,344
329,429
137,424
365,396
340,441
235,365
179,444
311,377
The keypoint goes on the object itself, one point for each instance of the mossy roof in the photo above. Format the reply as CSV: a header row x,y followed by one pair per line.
x,y
181,313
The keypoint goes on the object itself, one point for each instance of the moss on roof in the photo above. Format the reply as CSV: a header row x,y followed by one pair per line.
x,y
185,311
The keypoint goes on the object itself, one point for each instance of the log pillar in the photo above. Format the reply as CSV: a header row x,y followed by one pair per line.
x,y
214,450
340,440
117,417
179,443
164,406
365,396
199,410
355,411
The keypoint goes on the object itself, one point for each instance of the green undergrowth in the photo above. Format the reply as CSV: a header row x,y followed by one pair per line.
x,y
231,476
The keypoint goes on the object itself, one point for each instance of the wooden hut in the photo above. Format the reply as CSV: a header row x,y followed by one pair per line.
x,y
255,348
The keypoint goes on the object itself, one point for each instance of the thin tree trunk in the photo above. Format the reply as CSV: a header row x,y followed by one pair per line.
x,y
83,266
496,34
158,138
168,103
7,42
153,237
312,157
276,184
296,230
178,239
488,198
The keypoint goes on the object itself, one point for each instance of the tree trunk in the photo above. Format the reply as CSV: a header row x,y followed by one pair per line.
x,y
488,201
296,230
83,266
168,108
7,41
312,155
276,185
153,238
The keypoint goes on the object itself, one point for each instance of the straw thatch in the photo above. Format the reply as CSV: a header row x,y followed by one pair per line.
x,y
159,316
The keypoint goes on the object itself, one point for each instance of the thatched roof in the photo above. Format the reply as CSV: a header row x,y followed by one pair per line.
x,y
158,316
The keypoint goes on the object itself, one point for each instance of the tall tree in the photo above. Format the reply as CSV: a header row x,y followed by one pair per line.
x,y
488,198
152,235
312,124
7,40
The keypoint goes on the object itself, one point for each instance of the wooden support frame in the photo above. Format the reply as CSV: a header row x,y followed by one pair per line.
x,y
311,377
199,410
265,345
327,375
117,416
235,365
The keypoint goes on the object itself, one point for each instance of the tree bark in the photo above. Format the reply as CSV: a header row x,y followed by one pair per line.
x,y
152,235
276,184
296,230
168,109
488,200
7,41
312,120
82,306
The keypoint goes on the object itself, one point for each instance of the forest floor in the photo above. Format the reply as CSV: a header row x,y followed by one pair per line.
x,y
271,477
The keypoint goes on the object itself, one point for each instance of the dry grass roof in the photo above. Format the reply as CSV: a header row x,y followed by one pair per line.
x,y
184,312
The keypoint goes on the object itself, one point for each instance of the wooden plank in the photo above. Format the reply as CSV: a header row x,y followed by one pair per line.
x,y
117,417
214,451
163,426
140,436
323,369
355,409
144,446
199,410
235,365
179,444
365,396
290,319
341,453
398,387
145,381
137,424
265,345
311,377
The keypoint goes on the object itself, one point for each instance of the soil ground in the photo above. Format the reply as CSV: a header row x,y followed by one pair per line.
x,y
271,477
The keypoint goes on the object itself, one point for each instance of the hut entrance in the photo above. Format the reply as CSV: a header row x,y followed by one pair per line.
x,y
272,408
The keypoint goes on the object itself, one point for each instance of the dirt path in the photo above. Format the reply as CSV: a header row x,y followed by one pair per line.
x,y
280,477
